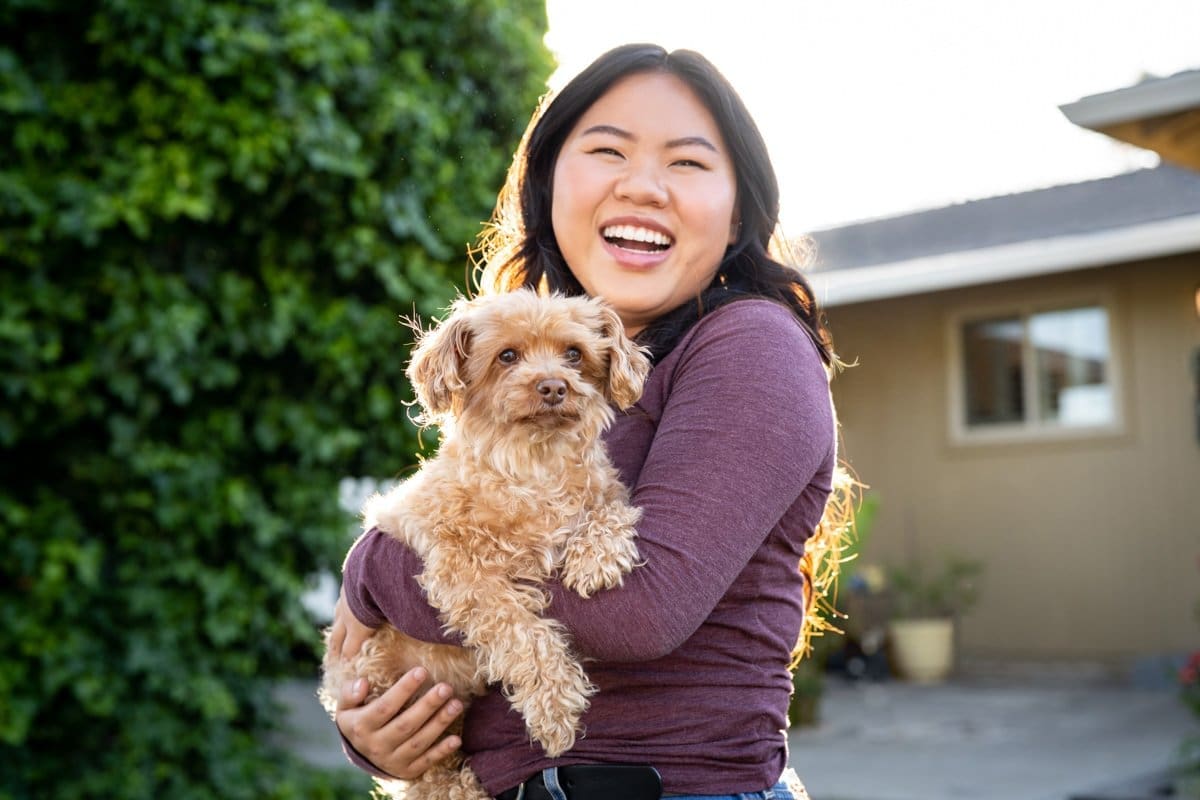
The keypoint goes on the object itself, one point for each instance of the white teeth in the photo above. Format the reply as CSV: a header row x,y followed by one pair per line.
x,y
636,234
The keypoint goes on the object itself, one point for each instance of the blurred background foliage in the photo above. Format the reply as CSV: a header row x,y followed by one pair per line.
x,y
211,215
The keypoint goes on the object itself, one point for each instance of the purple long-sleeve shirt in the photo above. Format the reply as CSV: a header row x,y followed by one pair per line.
x,y
730,454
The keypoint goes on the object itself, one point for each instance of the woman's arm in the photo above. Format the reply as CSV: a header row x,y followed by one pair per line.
x,y
747,425
379,582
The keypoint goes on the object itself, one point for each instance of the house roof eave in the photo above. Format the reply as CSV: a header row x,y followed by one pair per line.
x,y
1153,98
1026,259
1161,114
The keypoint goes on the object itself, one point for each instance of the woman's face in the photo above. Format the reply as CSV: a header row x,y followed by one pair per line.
x,y
644,197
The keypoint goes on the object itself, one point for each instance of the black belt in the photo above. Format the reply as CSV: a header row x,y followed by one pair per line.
x,y
594,782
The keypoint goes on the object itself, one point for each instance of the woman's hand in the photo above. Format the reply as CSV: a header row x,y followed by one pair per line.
x,y
403,742
347,634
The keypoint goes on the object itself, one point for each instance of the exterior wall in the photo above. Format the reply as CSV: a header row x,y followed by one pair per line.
x,y
1091,544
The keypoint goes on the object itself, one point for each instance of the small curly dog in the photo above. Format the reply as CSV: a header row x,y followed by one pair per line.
x,y
521,387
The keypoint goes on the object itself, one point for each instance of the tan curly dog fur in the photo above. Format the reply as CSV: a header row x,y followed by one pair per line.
x,y
521,489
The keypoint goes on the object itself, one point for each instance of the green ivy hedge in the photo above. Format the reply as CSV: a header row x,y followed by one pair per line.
x,y
211,215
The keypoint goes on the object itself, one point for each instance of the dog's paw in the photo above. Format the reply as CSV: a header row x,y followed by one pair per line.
x,y
556,727
553,707
556,738
592,563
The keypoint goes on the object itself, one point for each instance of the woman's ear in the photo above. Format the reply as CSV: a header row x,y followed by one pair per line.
x,y
628,365
436,369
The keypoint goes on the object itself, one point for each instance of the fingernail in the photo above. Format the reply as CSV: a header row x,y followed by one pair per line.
x,y
419,674
454,707
360,686
443,690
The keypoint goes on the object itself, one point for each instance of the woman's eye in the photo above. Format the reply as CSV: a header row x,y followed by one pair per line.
x,y
687,162
508,356
573,355
606,151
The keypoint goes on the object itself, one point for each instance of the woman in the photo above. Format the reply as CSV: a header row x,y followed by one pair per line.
x,y
645,181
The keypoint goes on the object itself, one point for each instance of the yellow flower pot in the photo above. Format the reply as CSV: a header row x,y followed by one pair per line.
x,y
922,649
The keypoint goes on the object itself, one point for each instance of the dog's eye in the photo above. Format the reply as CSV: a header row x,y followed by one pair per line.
x,y
573,355
508,356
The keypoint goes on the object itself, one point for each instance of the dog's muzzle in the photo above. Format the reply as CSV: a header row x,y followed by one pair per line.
x,y
589,782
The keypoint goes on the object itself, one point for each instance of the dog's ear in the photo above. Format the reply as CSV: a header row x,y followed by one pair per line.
x,y
438,361
627,362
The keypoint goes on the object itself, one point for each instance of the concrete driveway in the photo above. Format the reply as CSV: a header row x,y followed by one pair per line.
x,y
986,740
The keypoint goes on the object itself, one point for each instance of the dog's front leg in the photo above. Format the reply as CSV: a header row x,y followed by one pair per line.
x,y
524,652
541,679
601,551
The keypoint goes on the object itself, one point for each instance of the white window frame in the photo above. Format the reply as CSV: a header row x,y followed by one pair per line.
x,y
1029,430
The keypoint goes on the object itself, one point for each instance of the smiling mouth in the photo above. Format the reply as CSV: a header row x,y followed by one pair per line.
x,y
636,239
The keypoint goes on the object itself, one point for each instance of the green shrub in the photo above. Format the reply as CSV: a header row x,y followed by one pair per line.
x,y
211,215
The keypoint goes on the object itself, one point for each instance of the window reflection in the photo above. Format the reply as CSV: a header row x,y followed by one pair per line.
x,y
1071,351
1048,368
995,384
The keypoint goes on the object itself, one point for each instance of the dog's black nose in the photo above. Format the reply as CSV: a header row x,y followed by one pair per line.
x,y
552,390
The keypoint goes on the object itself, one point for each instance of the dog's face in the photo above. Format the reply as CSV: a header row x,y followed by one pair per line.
x,y
520,359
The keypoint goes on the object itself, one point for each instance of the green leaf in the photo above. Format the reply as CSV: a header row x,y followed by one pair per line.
x,y
212,214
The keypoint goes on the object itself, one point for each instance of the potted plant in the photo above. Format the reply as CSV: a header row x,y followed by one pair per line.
x,y
926,602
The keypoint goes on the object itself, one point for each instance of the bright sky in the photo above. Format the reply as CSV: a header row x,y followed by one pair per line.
x,y
876,107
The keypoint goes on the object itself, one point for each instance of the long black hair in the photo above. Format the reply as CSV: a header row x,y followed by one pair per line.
x,y
518,248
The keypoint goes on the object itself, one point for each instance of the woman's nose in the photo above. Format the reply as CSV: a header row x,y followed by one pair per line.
x,y
643,185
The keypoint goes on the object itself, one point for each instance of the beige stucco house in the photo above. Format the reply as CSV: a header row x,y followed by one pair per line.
x,y
1027,392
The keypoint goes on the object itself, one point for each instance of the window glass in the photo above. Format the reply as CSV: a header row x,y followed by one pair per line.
x,y
1043,369
1071,353
995,388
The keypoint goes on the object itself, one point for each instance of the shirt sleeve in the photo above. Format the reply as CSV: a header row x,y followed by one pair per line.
x,y
359,760
379,578
747,425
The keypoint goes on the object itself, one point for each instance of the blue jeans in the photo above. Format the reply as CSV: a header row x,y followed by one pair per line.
x,y
788,788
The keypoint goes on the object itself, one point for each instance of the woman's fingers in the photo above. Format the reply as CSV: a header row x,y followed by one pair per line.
x,y
347,634
337,635
420,726
389,706
401,741
352,695
423,749
356,634
400,732
440,750
337,631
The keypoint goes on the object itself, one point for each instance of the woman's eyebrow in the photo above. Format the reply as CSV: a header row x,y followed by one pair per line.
x,y
699,141
683,141
609,129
